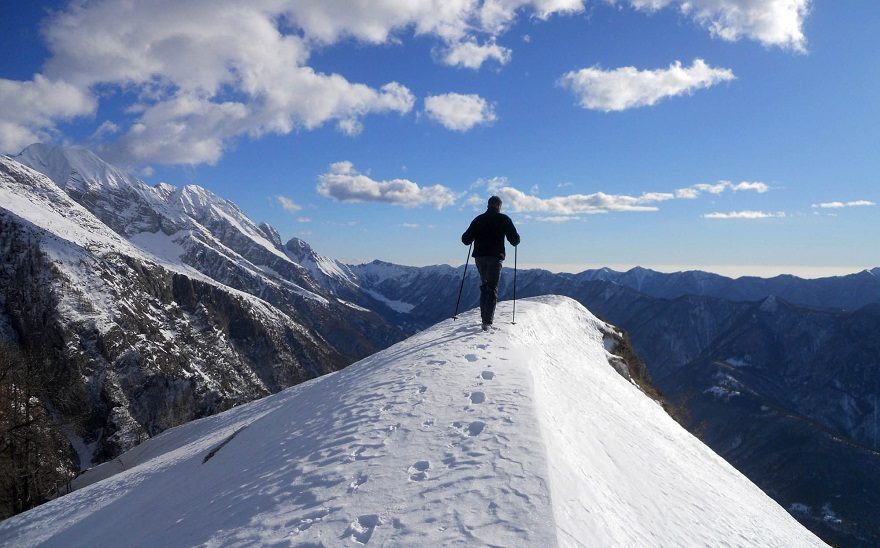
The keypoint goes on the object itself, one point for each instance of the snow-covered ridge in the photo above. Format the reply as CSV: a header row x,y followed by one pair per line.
x,y
523,436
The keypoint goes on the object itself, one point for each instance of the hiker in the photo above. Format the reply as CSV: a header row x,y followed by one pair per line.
x,y
487,232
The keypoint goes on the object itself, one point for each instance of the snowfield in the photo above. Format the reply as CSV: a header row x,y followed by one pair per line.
x,y
522,436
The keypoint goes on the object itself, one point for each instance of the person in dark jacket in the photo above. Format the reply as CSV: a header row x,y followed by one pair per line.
x,y
487,232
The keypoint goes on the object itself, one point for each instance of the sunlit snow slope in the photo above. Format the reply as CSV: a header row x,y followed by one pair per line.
x,y
522,436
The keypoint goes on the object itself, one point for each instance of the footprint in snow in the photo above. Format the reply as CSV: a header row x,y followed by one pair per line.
x,y
471,357
361,529
360,480
472,429
419,470
487,375
477,397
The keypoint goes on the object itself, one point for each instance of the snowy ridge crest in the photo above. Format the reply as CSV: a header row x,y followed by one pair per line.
x,y
523,436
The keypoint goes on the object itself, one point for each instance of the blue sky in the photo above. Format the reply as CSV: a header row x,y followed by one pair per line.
x,y
773,110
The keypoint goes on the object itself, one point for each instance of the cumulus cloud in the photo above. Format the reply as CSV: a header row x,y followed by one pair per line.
x,y
205,73
747,214
771,22
287,204
345,184
627,87
471,54
459,112
840,205
29,109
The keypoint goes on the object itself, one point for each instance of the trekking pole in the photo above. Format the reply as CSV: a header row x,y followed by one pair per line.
x,y
467,260
514,284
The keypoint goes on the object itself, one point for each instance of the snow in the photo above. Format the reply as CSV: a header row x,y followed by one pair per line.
x,y
739,362
160,244
352,305
521,436
68,229
397,306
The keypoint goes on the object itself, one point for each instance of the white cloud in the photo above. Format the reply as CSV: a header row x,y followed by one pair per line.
x,y
771,22
345,184
29,109
556,218
627,87
566,207
839,205
410,225
289,205
471,54
303,219
459,112
496,16
758,187
350,126
573,204
694,191
106,129
205,73
747,214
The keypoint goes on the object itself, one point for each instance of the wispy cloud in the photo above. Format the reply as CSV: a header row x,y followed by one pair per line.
x,y
288,204
566,207
840,205
344,183
747,214
694,191
628,87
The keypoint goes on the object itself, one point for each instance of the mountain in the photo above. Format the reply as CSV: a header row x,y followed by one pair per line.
x,y
848,292
528,435
801,418
148,307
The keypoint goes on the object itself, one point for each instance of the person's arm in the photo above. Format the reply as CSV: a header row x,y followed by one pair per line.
x,y
511,233
468,237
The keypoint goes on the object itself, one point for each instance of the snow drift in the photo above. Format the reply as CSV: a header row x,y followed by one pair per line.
x,y
523,436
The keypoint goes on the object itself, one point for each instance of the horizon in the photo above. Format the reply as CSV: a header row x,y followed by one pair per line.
x,y
740,142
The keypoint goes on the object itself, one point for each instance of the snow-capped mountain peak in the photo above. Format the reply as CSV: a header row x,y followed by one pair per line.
x,y
526,435
75,167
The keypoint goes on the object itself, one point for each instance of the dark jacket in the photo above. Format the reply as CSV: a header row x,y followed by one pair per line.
x,y
487,232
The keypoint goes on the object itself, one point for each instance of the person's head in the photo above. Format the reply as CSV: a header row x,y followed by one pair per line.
x,y
495,203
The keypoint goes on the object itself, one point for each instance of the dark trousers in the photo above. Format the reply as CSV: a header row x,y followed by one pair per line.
x,y
490,272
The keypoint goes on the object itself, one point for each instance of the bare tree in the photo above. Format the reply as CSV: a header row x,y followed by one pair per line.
x,y
35,457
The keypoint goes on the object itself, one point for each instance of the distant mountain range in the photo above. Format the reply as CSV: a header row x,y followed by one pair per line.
x,y
163,304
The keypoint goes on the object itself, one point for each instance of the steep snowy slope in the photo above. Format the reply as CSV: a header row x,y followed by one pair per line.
x,y
523,436
194,227
136,344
